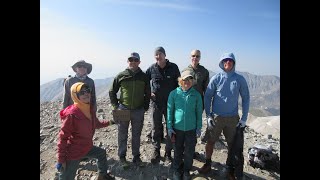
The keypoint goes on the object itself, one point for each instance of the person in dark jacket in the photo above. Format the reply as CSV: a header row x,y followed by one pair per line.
x,y
200,73
82,69
134,95
164,78
79,122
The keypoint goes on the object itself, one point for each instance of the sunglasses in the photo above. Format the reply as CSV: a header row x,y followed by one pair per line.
x,y
197,56
225,60
133,60
81,66
83,91
187,79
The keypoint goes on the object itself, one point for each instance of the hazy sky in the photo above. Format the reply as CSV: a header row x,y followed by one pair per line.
x,y
105,32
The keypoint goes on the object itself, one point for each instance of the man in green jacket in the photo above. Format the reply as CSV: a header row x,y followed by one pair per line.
x,y
134,88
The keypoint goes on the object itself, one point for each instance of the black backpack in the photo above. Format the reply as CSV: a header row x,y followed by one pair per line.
x,y
64,80
264,158
235,155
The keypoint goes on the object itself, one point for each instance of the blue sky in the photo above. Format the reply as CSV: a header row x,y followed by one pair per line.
x,y
105,32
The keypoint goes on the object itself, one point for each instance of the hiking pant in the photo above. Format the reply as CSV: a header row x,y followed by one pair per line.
x,y
227,125
184,149
72,165
136,119
157,128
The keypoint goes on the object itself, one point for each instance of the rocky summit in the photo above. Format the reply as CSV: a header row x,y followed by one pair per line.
x,y
107,139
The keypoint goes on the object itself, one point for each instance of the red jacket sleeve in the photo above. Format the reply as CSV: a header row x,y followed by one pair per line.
x,y
63,136
101,124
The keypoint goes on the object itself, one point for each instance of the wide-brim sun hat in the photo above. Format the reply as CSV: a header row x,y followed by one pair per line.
x,y
84,63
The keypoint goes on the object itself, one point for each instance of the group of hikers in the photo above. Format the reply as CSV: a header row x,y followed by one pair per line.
x,y
178,98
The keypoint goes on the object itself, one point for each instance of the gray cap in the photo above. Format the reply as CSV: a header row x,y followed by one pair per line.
x,y
160,49
134,55
185,74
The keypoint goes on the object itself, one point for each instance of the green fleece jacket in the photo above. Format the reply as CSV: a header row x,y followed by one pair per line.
x,y
134,90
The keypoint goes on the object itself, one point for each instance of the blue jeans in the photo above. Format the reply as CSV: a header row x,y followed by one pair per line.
x,y
72,165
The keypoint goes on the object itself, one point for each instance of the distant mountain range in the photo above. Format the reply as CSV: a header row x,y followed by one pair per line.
x,y
264,92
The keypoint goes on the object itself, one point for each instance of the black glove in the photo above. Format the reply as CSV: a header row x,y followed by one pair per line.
x,y
112,121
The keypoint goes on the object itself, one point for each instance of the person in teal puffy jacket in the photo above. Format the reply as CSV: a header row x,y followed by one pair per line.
x,y
184,123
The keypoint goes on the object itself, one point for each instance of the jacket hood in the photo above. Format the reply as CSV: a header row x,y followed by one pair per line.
x,y
85,108
227,56
66,111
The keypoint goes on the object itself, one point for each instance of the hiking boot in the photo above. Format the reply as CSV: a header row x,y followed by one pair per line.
x,y
84,159
196,155
167,156
155,158
137,161
124,163
230,174
176,175
123,159
186,176
105,177
205,168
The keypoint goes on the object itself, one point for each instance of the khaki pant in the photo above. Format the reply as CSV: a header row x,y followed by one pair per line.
x,y
227,125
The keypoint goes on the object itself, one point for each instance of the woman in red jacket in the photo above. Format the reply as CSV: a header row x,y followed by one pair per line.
x,y
79,122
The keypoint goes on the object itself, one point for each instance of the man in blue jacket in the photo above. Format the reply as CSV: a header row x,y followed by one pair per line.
x,y
221,107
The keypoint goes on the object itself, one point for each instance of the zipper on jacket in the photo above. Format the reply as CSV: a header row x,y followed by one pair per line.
x,y
133,92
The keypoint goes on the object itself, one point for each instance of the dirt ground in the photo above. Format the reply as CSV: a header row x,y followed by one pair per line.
x,y
107,138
